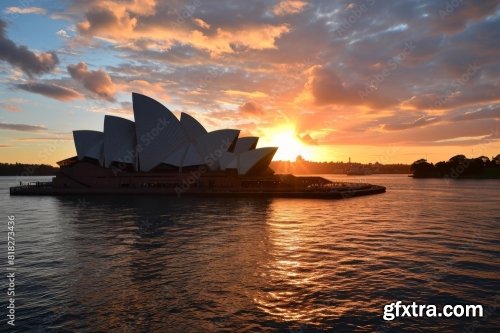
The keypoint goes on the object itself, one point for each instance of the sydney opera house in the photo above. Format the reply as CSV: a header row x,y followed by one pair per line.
x,y
160,154
157,140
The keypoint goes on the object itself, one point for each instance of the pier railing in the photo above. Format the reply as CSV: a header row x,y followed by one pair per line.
x,y
31,185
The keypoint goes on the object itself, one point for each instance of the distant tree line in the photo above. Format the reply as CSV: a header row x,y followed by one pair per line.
x,y
20,169
459,166
302,166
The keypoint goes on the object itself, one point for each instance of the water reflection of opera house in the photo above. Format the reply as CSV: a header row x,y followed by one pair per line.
x,y
159,153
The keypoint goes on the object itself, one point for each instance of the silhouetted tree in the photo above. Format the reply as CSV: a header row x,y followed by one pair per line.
x,y
459,166
496,159
457,158
442,168
422,168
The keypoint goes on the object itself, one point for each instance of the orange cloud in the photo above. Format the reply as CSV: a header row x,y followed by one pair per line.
x,y
251,108
102,21
247,94
114,19
125,25
98,82
257,38
287,7
202,24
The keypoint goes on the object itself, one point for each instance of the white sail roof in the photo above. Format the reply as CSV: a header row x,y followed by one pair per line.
x,y
119,141
158,131
253,159
176,157
192,127
192,157
89,144
228,160
213,144
246,162
245,144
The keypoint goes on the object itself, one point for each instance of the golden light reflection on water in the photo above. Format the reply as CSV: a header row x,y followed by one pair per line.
x,y
290,273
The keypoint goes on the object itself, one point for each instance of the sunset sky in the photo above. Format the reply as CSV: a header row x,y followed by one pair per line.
x,y
386,81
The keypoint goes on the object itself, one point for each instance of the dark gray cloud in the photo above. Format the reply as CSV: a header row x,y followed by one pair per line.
x,y
99,19
51,90
20,56
453,16
485,113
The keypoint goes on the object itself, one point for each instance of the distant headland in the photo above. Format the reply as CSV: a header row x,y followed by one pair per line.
x,y
22,169
302,166
459,167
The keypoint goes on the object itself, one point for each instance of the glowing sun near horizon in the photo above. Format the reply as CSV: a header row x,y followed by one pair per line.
x,y
288,142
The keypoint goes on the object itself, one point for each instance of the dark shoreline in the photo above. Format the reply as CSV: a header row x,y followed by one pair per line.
x,y
457,178
26,169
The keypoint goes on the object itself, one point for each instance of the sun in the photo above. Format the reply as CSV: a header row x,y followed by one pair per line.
x,y
289,144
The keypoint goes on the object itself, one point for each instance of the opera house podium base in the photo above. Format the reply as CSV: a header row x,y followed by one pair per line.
x,y
337,191
87,178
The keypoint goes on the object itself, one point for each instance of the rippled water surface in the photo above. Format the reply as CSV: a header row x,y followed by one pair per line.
x,y
161,264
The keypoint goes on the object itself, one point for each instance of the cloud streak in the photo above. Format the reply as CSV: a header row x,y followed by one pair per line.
x,y
25,10
22,127
51,90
